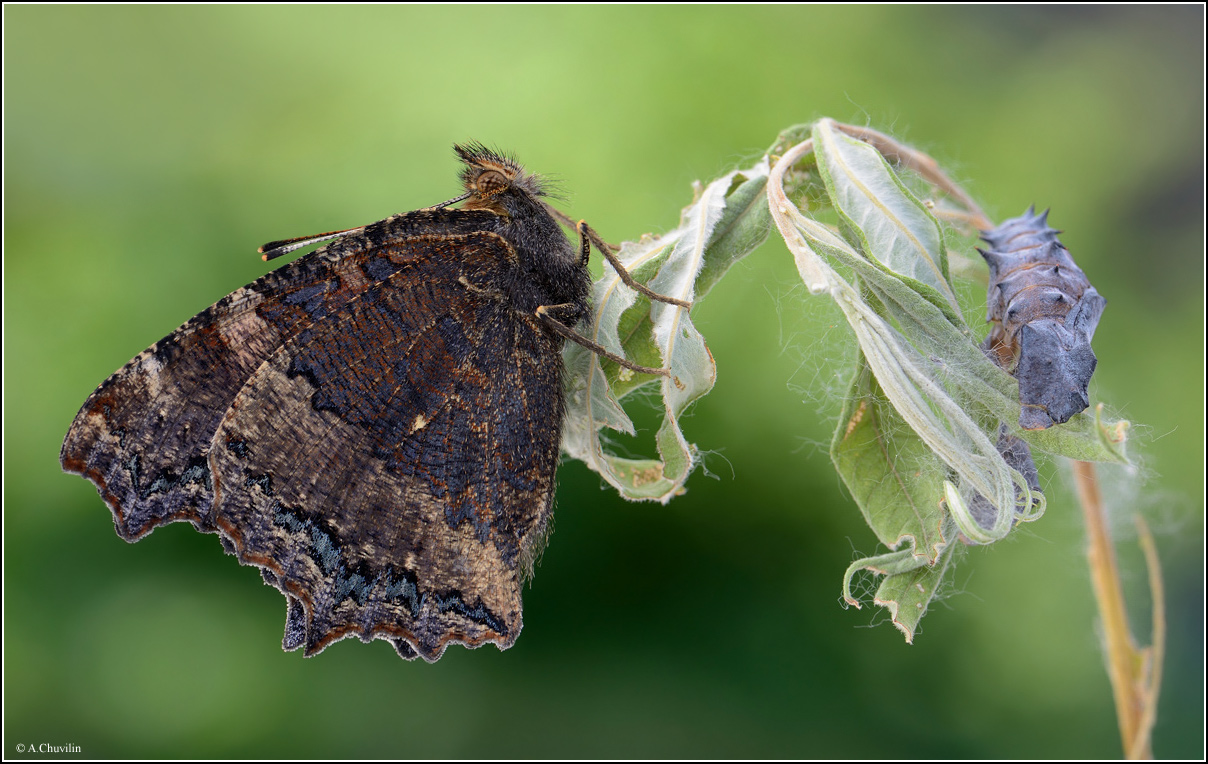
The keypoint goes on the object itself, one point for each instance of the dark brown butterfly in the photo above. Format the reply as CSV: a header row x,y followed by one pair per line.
x,y
374,425
1045,312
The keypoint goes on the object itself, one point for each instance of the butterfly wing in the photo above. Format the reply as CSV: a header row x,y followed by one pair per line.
x,y
373,425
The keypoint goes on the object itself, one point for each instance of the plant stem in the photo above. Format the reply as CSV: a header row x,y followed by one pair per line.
x,y
1157,652
1134,672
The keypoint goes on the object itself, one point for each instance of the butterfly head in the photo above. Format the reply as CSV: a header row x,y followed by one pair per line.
x,y
490,176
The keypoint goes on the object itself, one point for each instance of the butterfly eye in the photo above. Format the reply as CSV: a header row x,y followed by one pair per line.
x,y
490,183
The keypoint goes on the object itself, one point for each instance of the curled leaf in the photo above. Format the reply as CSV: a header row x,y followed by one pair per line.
x,y
725,222
893,476
919,444
893,226
908,587
915,384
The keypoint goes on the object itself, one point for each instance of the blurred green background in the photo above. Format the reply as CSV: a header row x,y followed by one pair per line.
x,y
149,151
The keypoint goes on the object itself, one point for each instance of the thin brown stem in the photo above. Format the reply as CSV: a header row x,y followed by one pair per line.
x,y
1156,653
1126,663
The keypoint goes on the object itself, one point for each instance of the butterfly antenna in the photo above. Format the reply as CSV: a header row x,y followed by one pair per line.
x,y
275,249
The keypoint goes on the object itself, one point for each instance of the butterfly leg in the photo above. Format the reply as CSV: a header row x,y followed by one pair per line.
x,y
544,313
588,235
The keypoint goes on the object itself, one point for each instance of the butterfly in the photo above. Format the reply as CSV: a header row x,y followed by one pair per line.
x,y
375,425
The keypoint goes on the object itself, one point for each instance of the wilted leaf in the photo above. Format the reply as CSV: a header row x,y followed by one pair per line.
x,y
893,226
911,381
895,479
725,223
1084,437
914,444
909,585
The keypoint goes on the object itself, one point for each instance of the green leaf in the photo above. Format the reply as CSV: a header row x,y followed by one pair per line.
x,y
916,444
744,225
893,226
894,478
725,222
912,381
909,586
939,381
1083,437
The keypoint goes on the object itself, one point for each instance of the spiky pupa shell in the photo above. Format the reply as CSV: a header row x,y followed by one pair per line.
x,y
1044,312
